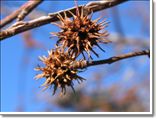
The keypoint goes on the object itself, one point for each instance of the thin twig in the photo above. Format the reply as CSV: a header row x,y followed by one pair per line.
x,y
20,13
91,6
85,64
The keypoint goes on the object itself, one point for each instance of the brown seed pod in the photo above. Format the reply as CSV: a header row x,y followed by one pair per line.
x,y
80,34
57,70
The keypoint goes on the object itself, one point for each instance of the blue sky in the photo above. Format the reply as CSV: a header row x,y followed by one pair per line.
x,y
17,83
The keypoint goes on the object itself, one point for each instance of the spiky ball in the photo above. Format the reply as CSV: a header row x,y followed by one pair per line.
x,y
57,70
80,34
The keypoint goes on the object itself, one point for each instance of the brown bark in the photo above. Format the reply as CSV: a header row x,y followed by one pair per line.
x,y
91,6
85,64
20,13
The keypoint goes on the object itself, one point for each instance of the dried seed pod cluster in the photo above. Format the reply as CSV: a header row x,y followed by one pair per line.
x,y
57,70
77,36
80,34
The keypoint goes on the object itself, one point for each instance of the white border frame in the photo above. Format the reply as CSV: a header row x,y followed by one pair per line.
x,y
106,113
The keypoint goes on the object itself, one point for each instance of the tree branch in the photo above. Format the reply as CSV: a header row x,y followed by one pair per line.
x,y
24,26
33,4
21,12
85,64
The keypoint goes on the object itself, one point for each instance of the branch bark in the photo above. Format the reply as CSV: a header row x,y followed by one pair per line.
x,y
52,17
85,64
20,13
33,4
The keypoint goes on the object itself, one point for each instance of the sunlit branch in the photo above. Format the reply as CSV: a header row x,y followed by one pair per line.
x,y
85,64
20,13
20,27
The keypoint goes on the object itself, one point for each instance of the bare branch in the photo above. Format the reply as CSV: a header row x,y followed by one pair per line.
x,y
21,12
32,4
85,64
91,6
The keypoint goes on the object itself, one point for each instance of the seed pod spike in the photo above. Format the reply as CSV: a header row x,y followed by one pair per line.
x,y
91,15
39,76
103,21
77,8
89,44
78,81
72,89
78,45
83,56
81,78
100,47
73,54
102,27
72,14
52,79
104,24
72,45
67,77
63,91
96,20
89,56
55,88
41,58
54,34
46,82
82,12
65,15
44,88
94,52
63,43
104,41
56,24
60,17
93,36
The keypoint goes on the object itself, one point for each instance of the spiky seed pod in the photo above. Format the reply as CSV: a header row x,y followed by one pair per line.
x,y
57,70
80,34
